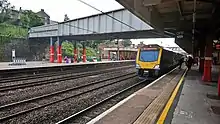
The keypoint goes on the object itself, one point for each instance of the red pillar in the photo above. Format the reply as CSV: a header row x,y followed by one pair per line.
x,y
59,51
51,50
84,52
75,52
208,60
219,85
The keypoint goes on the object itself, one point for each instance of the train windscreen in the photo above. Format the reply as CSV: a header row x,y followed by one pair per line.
x,y
149,55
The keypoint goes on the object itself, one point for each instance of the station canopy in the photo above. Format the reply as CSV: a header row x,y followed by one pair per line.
x,y
176,17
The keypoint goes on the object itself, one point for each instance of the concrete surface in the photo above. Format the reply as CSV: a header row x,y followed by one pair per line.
x,y
35,64
128,111
195,104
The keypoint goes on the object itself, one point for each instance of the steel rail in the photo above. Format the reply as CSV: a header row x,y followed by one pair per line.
x,y
56,101
49,81
98,103
28,77
59,92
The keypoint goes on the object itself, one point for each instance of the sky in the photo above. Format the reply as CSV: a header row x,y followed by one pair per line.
x,y
75,9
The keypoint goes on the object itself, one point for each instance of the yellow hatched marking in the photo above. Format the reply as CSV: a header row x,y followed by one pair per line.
x,y
170,102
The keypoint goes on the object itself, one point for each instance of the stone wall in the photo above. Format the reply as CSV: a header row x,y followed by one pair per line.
x,y
32,50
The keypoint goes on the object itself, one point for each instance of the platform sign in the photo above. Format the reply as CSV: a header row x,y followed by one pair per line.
x,y
217,46
179,34
13,53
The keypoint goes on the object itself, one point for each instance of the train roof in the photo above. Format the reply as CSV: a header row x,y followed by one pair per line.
x,y
172,50
156,45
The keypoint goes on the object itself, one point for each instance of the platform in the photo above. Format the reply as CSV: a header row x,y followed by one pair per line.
x,y
143,106
198,102
177,98
38,64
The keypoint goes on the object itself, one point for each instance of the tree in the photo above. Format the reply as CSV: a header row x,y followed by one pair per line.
x,y
35,20
90,52
67,49
5,10
126,43
25,21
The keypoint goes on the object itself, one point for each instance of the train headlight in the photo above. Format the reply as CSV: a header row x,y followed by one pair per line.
x,y
157,67
138,66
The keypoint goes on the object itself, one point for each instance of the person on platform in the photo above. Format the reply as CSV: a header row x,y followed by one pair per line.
x,y
196,60
66,59
181,62
189,62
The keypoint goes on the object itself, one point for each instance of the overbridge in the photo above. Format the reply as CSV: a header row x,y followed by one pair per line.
x,y
117,24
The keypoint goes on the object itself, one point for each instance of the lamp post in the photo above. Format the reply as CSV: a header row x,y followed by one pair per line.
x,y
99,54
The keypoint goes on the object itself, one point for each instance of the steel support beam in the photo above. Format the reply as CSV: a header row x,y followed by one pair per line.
x,y
148,14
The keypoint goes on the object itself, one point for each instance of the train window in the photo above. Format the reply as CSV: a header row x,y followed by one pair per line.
x,y
149,55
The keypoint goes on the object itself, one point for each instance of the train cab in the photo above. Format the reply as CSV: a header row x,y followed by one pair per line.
x,y
148,60
154,60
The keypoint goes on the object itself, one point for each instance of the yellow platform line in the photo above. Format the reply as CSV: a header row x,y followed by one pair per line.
x,y
170,102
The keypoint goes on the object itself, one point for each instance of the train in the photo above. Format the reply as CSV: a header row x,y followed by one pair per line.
x,y
153,60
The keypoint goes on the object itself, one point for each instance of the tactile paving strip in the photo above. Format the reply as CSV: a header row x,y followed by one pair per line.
x,y
129,111
149,116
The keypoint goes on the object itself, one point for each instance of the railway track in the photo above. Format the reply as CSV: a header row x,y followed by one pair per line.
x,y
72,118
41,75
9,111
58,79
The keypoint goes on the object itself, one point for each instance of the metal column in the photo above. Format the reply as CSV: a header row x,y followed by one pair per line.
x,y
75,52
59,51
208,60
51,50
84,52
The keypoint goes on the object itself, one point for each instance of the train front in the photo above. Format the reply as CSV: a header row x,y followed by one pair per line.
x,y
148,61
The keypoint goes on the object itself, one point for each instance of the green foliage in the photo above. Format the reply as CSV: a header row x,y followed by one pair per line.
x,y
5,10
31,19
25,21
12,31
90,52
7,33
79,45
93,44
67,49
26,18
126,43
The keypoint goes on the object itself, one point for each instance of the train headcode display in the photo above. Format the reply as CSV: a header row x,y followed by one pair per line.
x,y
150,47
146,48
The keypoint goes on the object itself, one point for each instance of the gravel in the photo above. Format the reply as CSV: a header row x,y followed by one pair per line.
x,y
61,75
11,110
21,94
58,111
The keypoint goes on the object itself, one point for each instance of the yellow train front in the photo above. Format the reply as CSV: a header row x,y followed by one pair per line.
x,y
153,60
